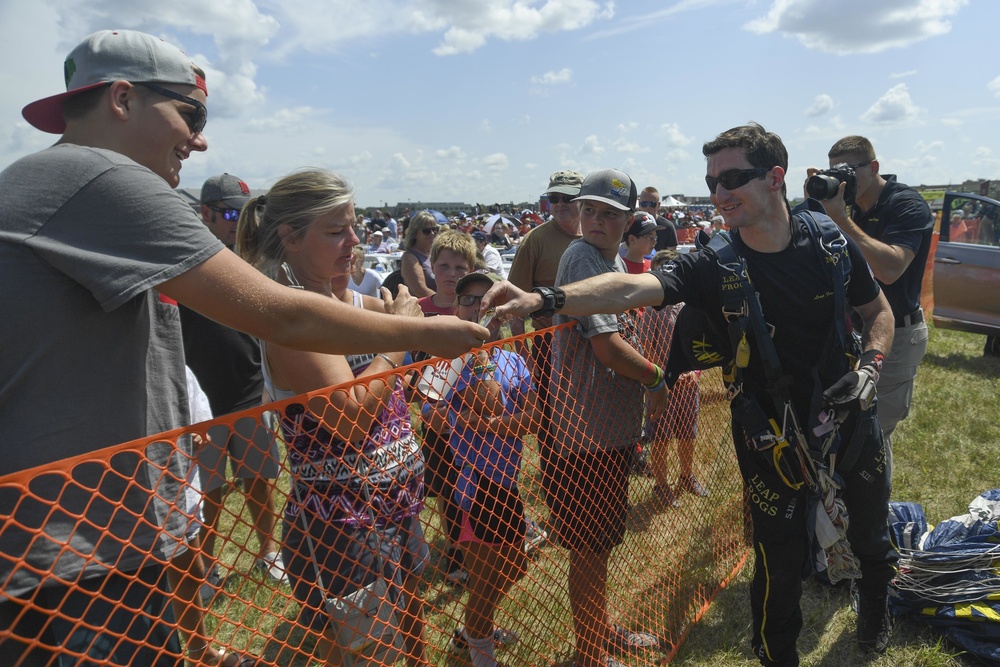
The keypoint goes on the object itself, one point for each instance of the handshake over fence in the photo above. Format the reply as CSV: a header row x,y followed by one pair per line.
x,y
132,507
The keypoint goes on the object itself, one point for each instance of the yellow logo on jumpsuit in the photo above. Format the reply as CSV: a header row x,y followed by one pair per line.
x,y
705,352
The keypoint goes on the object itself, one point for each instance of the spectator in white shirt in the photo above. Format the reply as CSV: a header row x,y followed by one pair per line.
x,y
363,280
490,254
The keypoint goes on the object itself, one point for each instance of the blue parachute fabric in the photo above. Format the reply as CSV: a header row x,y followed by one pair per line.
x,y
908,524
947,576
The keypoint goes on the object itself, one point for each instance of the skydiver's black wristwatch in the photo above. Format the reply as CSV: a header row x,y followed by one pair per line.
x,y
553,299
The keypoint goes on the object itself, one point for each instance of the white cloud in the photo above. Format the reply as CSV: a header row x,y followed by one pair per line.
x,y
286,120
551,77
496,162
821,105
471,24
994,85
460,40
21,139
485,126
673,135
951,122
983,151
453,153
623,146
400,160
985,164
627,127
857,26
903,75
895,106
362,158
592,146
831,129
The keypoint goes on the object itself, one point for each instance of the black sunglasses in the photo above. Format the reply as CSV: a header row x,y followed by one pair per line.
x,y
468,300
733,179
428,231
561,199
860,164
649,204
230,214
197,121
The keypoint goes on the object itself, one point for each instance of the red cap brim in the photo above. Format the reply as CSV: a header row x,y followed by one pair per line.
x,y
46,114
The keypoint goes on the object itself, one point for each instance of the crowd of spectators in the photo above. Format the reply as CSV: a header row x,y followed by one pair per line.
x,y
298,309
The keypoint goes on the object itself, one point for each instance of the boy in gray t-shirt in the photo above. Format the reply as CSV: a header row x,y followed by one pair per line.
x,y
597,407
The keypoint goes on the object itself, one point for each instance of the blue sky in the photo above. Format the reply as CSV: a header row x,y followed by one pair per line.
x,y
480,100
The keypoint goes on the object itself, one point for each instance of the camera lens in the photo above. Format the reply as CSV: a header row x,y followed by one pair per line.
x,y
821,186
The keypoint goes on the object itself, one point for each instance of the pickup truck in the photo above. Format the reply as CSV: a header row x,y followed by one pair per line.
x,y
967,267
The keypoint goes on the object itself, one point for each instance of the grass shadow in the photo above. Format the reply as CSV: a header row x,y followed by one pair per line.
x,y
986,367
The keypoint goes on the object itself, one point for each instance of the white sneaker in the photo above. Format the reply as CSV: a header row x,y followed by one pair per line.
x,y
502,638
272,565
534,537
457,577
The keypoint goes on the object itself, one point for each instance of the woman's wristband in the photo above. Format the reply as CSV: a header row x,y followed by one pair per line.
x,y
387,358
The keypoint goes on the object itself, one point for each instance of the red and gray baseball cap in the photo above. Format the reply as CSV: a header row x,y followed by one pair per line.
x,y
227,189
611,187
107,56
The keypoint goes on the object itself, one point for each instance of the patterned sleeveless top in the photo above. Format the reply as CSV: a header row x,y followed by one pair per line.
x,y
374,481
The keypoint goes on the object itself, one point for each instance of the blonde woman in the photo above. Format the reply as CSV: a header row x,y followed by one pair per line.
x,y
348,521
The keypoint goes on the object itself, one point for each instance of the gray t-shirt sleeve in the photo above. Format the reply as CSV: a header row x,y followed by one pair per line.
x,y
144,235
580,261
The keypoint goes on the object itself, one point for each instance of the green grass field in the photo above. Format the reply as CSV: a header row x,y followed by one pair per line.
x,y
945,454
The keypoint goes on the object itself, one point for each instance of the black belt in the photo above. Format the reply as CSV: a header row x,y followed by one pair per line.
x,y
916,317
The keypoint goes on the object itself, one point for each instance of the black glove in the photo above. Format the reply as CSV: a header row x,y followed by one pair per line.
x,y
856,390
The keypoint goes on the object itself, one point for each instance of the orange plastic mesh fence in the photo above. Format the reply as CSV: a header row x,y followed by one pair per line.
x,y
351,515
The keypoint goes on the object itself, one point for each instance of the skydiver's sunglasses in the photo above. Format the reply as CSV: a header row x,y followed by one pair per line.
x,y
733,179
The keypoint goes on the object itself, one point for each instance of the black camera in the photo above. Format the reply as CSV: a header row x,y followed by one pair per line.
x,y
824,184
